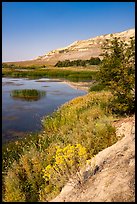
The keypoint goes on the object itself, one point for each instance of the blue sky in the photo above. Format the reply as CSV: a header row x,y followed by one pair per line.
x,y
30,29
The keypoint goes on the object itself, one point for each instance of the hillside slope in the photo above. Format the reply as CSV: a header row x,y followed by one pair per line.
x,y
113,172
83,49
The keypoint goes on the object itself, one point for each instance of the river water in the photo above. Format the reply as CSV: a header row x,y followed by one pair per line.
x,y
21,116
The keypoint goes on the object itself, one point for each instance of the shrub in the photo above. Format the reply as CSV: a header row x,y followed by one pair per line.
x,y
68,63
24,179
12,190
67,163
117,70
97,87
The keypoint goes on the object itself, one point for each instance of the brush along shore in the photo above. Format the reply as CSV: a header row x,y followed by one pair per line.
x,y
85,121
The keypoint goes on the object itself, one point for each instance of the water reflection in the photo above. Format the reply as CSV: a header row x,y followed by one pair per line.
x,y
10,83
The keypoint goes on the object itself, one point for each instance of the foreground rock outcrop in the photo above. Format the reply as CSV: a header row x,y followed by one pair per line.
x,y
111,175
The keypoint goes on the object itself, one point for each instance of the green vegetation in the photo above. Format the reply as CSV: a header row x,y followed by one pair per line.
x,y
117,71
27,94
67,164
72,75
5,65
85,121
14,66
98,87
37,167
68,63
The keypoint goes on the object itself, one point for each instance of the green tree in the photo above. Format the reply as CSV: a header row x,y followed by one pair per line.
x,y
58,64
117,71
94,61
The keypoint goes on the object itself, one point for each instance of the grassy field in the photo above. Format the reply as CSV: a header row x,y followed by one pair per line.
x,y
85,121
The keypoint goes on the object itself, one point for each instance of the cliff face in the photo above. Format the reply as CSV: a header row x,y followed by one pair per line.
x,y
113,177
83,49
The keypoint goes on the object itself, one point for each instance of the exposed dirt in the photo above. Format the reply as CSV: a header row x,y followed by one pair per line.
x,y
111,175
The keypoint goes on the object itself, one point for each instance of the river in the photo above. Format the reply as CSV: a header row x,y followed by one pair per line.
x,y
21,116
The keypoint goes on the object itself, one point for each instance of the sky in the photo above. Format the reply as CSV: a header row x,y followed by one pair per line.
x,y
31,29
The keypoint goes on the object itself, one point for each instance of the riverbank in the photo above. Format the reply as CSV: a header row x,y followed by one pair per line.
x,y
22,113
84,120
85,86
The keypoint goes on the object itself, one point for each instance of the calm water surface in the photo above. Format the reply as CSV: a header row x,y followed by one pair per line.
x,y
20,116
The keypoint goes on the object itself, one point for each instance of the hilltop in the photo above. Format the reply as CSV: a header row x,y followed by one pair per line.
x,y
82,49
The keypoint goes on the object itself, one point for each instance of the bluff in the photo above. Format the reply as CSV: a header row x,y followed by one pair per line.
x,y
83,49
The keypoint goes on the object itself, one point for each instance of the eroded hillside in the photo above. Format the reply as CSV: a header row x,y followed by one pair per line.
x,y
83,49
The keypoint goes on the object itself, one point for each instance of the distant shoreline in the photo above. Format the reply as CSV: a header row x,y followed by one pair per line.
x,y
84,86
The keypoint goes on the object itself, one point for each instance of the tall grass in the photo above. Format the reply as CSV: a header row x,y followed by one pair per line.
x,y
72,75
85,120
27,94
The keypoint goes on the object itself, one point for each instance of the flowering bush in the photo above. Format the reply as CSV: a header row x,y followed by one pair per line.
x,y
67,163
